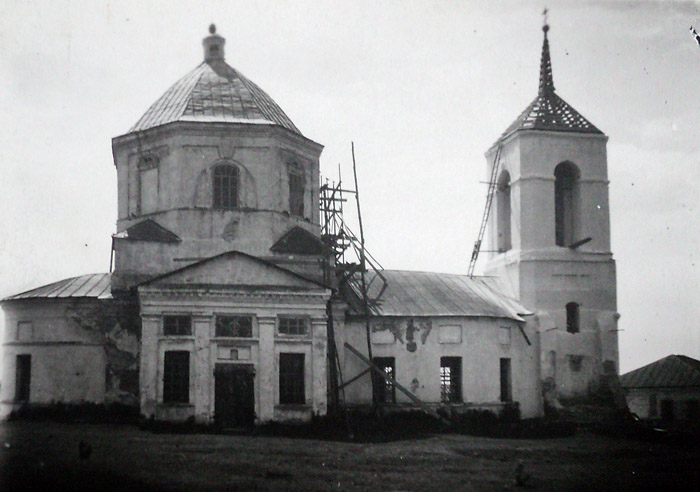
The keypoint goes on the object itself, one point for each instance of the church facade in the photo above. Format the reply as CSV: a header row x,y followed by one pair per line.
x,y
221,305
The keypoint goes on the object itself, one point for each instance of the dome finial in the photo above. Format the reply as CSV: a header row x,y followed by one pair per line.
x,y
213,45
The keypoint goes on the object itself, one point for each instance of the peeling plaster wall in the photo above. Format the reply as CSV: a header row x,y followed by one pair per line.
x,y
82,350
264,348
416,345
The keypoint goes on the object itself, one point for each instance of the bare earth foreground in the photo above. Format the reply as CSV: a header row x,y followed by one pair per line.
x,y
43,456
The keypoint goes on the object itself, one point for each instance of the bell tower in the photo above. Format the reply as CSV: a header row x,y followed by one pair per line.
x,y
549,235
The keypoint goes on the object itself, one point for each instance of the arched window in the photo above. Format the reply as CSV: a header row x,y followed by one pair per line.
x,y
565,203
503,212
296,190
572,318
225,187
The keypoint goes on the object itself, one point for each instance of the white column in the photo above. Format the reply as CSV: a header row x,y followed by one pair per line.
x,y
266,370
148,373
203,372
319,361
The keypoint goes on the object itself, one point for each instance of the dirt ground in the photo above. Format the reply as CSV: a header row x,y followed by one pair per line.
x,y
42,456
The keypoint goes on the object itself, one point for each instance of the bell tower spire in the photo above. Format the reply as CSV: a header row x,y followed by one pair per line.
x,y
546,79
549,233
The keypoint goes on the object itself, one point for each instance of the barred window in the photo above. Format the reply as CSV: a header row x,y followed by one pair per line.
x,y
176,377
292,379
234,326
292,326
177,325
386,393
225,187
296,191
450,379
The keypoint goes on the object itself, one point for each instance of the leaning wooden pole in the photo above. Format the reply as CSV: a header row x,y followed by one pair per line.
x,y
363,270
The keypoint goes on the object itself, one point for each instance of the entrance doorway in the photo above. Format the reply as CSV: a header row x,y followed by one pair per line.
x,y
234,395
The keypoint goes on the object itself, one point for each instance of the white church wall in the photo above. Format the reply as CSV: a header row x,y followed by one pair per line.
x,y
68,362
261,350
185,156
417,345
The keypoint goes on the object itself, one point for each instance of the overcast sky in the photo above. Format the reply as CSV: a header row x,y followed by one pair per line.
x,y
422,88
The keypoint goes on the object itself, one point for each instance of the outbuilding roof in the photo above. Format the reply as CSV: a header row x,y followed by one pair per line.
x,y
214,92
410,293
674,371
95,285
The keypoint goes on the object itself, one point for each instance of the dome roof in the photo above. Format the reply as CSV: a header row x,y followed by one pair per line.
x,y
215,92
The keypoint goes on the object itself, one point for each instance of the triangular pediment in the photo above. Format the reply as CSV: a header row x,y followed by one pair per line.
x,y
233,270
299,241
148,230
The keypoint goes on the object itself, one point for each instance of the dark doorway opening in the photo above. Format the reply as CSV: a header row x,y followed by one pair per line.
x,y
506,381
23,377
234,395
667,412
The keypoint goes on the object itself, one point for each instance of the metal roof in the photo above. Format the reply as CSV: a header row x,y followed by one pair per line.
x,y
411,293
548,111
148,230
674,371
95,285
215,92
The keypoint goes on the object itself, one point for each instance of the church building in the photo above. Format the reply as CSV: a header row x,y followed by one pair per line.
x,y
225,304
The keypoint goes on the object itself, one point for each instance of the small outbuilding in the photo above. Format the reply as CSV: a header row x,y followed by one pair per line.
x,y
667,390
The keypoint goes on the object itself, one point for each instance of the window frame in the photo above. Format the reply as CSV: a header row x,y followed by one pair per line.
x,y
387,394
305,325
297,176
225,188
292,378
179,332
176,377
23,377
454,393
218,320
573,317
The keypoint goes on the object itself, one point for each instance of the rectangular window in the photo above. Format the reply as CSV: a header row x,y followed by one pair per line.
x,y
149,190
180,325
25,331
504,335
450,379
667,410
296,194
386,392
450,334
506,381
234,326
23,377
176,377
653,406
292,326
292,379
